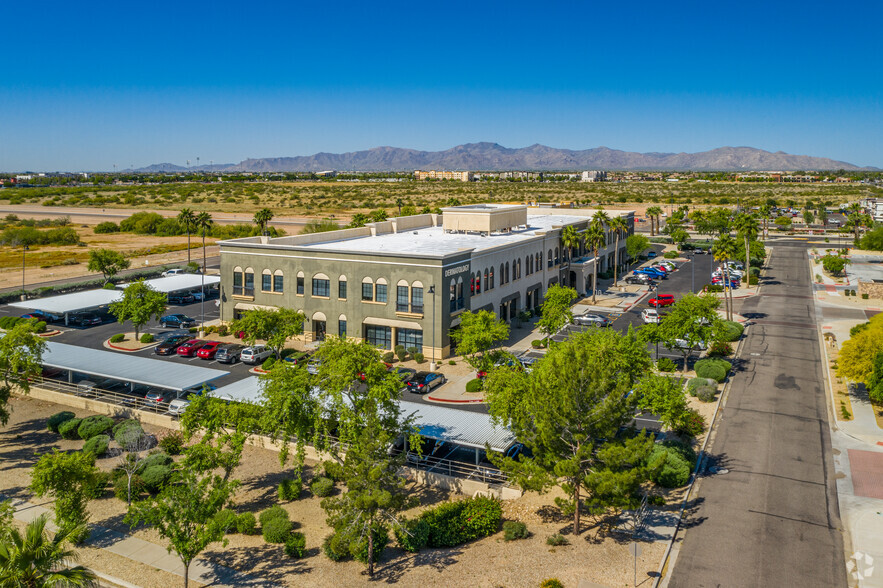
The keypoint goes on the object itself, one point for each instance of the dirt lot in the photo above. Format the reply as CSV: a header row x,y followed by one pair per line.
x,y
490,562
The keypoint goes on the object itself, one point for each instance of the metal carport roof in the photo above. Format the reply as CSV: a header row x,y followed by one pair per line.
x,y
245,390
127,368
75,302
469,429
179,282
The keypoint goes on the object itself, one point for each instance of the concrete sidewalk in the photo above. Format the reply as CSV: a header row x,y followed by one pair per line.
x,y
151,554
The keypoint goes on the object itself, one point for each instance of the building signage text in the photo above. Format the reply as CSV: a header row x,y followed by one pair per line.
x,y
456,270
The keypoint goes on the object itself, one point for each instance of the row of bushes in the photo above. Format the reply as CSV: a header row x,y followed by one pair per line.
x,y
403,354
18,236
704,389
7,322
671,463
716,369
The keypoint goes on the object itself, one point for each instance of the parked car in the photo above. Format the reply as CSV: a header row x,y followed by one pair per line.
x,y
313,366
653,273
197,295
255,354
176,321
683,344
423,382
650,315
668,266
734,284
406,374
189,348
589,319
662,300
170,345
208,350
178,406
229,353
642,279
159,396
651,254
178,298
173,272
48,317
84,319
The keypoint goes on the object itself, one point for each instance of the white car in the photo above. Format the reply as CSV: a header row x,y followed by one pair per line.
x,y
255,354
178,406
650,315
173,272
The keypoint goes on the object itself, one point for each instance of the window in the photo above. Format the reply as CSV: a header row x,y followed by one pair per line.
x,y
266,281
557,256
417,299
507,272
341,327
368,291
380,293
237,281
486,287
460,300
321,287
249,282
378,336
300,283
492,279
341,289
402,299
453,296
409,338
278,283
551,259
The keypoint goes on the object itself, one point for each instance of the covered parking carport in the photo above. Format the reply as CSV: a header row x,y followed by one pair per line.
x,y
68,304
180,283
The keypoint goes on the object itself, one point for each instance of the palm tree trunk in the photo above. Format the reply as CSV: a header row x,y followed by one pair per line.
x,y
747,262
595,276
615,258
188,246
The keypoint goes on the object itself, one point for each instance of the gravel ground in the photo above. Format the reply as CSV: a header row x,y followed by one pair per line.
x,y
490,562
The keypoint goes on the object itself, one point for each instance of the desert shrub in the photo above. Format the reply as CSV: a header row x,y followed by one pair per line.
x,y
753,280
419,357
556,540
155,477
412,535
359,548
296,545
714,288
246,523
401,353
68,429
691,424
865,296
670,255
94,425
223,330
536,343
155,459
322,486
389,357
147,338
102,481
474,385
551,583
276,530
289,489
53,422
268,363
332,469
671,463
712,368
706,393
97,445
274,512
657,501
720,349
665,364
118,338
120,486
513,530
455,523
334,549
694,383
107,227
172,442
40,327
731,331
127,432
452,362
226,519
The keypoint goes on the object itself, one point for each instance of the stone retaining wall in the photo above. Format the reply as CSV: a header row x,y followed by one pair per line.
x,y
872,289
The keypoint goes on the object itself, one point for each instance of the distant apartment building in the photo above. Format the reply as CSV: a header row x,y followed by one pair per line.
x,y
593,176
463,176
874,207
521,175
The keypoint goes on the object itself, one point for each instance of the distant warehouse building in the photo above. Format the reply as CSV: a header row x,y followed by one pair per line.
x,y
593,176
406,281
463,176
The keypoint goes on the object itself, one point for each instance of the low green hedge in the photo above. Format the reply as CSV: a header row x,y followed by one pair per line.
x,y
118,338
246,524
671,463
716,369
455,523
322,486
147,338
731,331
276,530
474,385
274,512
290,489
670,255
97,445
155,477
68,429
296,545
91,426
155,459
412,535
226,519
53,422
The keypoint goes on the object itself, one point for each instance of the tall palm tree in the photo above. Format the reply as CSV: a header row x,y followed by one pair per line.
x,y
746,227
856,221
765,212
653,214
724,249
188,221
204,223
595,239
619,228
570,239
262,217
34,560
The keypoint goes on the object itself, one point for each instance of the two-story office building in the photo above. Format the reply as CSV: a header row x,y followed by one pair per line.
x,y
405,281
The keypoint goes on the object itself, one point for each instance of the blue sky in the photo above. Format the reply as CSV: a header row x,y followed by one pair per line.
x,y
87,86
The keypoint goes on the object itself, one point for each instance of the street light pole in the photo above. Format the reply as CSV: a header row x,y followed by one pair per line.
x,y
24,247
432,365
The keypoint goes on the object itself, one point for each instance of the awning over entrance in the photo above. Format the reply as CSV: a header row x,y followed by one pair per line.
x,y
392,323
247,306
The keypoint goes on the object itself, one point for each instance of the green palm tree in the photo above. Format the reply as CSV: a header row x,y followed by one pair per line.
x,y
619,228
570,239
204,223
188,221
765,212
724,249
595,239
746,227
262,217
856,221
653,214
34,560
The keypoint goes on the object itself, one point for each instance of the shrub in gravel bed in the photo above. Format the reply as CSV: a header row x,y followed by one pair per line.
x,y
296,545
97,445
551,583
556,540
333,470
671,469
226,519
120,486
694,383
513,530
290,489
322,486
731,331
334,548
359,549
455,523
102,481
246,524
276,530
716,369
68,429
127,432
91,426
706,393
274,512
172,442
58,418
155,477
412,535
118,338
154,459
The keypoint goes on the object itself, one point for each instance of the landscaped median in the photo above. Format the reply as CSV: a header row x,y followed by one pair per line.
x,y
128,343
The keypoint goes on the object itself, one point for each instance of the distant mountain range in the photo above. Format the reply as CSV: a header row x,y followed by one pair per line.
x,y
494,157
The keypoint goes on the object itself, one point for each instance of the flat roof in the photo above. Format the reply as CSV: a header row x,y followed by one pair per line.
x,y
178,282
128,368
468,429
71,302
434,241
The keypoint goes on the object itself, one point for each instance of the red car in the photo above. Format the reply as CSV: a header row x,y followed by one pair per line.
x,y
190,348
662,300
208,350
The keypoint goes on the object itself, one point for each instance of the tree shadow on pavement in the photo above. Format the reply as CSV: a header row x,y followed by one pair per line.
x,y
396,568
267,565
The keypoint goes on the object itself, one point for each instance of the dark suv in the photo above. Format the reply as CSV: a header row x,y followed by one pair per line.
x,y
84,319
423,382
176,321
642,279
229,353
186,298
170,345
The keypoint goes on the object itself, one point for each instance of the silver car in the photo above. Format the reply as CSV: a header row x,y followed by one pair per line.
x,y
588,319
255,354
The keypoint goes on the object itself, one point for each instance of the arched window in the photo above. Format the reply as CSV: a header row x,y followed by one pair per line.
x,y
492,279
237,281
557,257
341,325
518,272
478,283
486,282
341,287
402,295
380,290
278,281
417,297
321,286
502,274
266,281
551,259
507,273
367,290
248,290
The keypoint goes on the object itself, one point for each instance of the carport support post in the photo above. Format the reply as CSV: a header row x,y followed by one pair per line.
x,y
65,318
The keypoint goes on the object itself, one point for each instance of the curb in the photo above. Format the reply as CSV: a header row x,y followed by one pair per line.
x,y
444,401
107,344
50,333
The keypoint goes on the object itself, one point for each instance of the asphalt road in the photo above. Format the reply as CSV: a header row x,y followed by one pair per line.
x,y
773,520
